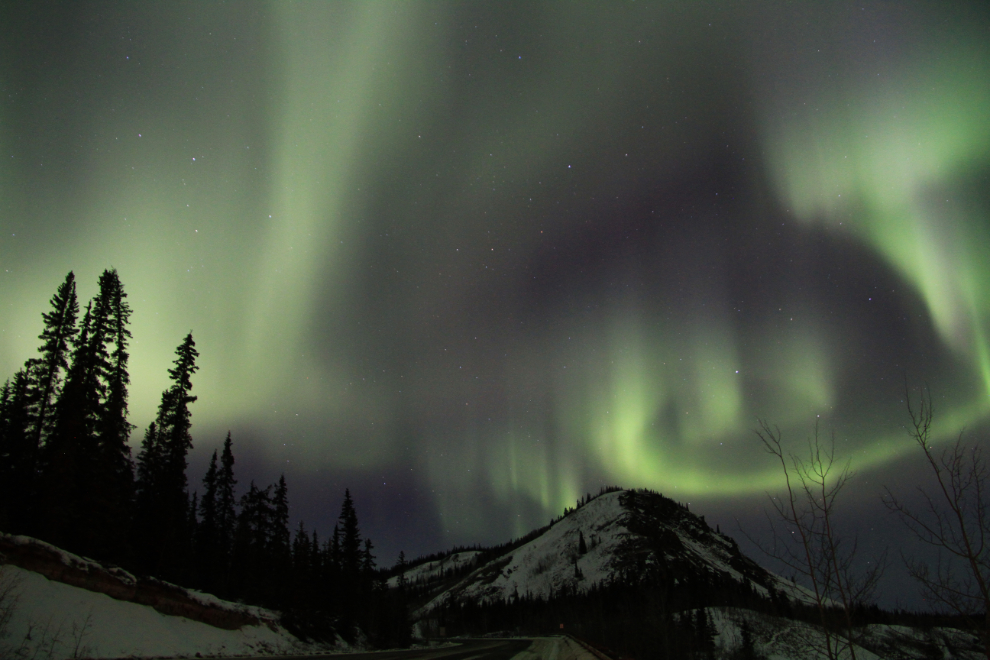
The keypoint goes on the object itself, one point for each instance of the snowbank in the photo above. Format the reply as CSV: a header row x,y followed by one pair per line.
x,y
776,638
56,620
61,566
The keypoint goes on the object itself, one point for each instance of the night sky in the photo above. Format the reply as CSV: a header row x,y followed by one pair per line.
x,y
473,260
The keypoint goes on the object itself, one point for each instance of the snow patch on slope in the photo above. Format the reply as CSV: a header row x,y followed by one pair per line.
x,y
433,569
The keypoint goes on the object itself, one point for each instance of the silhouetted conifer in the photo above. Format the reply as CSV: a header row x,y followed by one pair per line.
x,y
69,448
332,571
87,461
112,484
747,650
175,420
319,588
368,561
163,524
57,335
226,513
279,549
350,542
302,555
206,530
350,595
18,456
704,634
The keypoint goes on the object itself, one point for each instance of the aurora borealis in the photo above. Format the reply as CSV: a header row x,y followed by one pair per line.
x,y
475,259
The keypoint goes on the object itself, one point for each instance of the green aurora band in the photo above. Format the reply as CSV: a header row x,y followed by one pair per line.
x,y
310,174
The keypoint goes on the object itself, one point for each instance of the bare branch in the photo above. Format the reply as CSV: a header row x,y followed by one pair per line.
x,y
954,520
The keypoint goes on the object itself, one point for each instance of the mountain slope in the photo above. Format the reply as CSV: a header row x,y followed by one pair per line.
x,y
625,533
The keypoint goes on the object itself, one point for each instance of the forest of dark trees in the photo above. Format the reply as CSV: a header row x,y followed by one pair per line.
x,y
67,477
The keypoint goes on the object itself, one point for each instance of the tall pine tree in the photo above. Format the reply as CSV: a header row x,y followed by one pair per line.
x,y
163,523
226,514
57,335
87,460
280,543
113,482
351,601
206,530
252,543
27,416
18,456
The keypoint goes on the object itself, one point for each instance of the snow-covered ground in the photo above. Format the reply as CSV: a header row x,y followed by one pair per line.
x,y
55,620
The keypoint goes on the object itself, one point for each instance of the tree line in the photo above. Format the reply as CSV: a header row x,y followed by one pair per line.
x,y
67,476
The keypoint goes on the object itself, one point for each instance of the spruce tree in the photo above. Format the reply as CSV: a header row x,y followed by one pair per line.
x,y
280,518
73,481
163,523
176,420
350,542
316,568
206,529
67,449
302,554
57,335
367,562
747,649
18,456
400,567
705,632
149,469
332,572
113,479
226,513
252,539
279,543
351,601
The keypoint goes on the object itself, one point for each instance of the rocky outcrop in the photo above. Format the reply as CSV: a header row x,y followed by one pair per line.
x,y
60,566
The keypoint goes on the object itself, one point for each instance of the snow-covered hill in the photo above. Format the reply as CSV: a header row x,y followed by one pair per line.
x,y
622,531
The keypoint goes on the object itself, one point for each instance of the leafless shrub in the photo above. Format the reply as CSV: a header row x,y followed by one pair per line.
x,y
809,542
954,519
9,597
79,633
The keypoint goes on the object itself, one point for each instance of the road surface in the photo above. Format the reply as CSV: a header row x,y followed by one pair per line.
x,y
470,649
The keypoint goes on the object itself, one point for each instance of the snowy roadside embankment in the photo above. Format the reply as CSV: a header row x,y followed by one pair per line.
x,y
55,620
61,566
776,638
